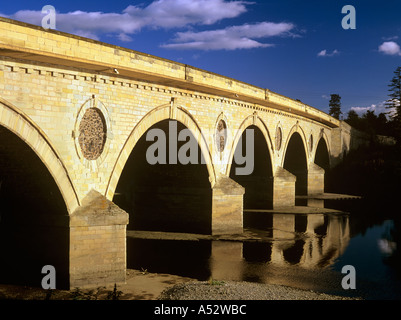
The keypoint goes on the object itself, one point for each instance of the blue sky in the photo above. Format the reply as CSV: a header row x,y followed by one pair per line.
x,y
296,48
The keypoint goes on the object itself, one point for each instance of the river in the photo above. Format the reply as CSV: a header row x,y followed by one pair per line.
x,y
306,251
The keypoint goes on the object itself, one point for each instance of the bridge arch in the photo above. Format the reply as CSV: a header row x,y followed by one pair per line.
x,y
21,125
295,158
296,129
322,152
36,198
158,114
251,120
167,194
258,182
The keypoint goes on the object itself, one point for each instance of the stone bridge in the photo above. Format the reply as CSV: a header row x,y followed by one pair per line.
x,y
74,119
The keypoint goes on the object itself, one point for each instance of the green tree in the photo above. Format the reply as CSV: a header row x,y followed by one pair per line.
x,y
394,102
335,106
353,119
381,124
369,122
369,119
395,96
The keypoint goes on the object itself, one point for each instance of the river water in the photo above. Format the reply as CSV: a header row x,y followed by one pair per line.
x,y
306,251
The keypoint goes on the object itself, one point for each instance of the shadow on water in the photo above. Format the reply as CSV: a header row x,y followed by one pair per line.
x,y
26,250
183,258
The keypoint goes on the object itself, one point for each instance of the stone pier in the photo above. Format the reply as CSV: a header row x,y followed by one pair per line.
x,y
97,242
227,206
283,188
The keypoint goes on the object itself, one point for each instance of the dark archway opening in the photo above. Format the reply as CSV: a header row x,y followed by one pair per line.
x,y
259,183
170,197
322,158
34,229
295,162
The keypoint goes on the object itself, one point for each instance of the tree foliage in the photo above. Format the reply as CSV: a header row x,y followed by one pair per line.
x,y
394,101
370,123
389,123
335,106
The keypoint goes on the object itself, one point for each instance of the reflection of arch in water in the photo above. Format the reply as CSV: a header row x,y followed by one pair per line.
x,y
322,241
294,253
295,242
257,251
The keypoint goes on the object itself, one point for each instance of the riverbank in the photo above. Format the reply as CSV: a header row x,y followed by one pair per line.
x,y
141,285
240,290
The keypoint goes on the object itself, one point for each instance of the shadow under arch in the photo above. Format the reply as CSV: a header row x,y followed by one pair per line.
x,y
250,121
322,154
152,117
296,129
295,159
258,183
34,222
168,196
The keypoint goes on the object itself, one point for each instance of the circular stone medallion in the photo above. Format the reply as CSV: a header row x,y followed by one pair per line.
x,y
92,134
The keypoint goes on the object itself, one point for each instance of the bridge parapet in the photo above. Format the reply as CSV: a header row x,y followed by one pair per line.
x,y
25,41
297,107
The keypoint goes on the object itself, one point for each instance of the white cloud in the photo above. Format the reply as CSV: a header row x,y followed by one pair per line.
x,y
169,14
124,37
390,48
376,108
179,13
231,38
159,14
324,53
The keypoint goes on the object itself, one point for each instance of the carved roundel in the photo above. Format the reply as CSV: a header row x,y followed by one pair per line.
x,y
92,134
279,138
221,135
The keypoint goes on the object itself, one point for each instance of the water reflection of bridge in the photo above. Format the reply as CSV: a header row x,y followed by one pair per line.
x,y
274,245
309,241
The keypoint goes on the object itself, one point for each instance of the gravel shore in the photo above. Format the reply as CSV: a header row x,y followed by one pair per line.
x,y
232,290
141,285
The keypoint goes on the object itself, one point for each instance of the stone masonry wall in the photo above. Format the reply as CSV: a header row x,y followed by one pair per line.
x,y
53,99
